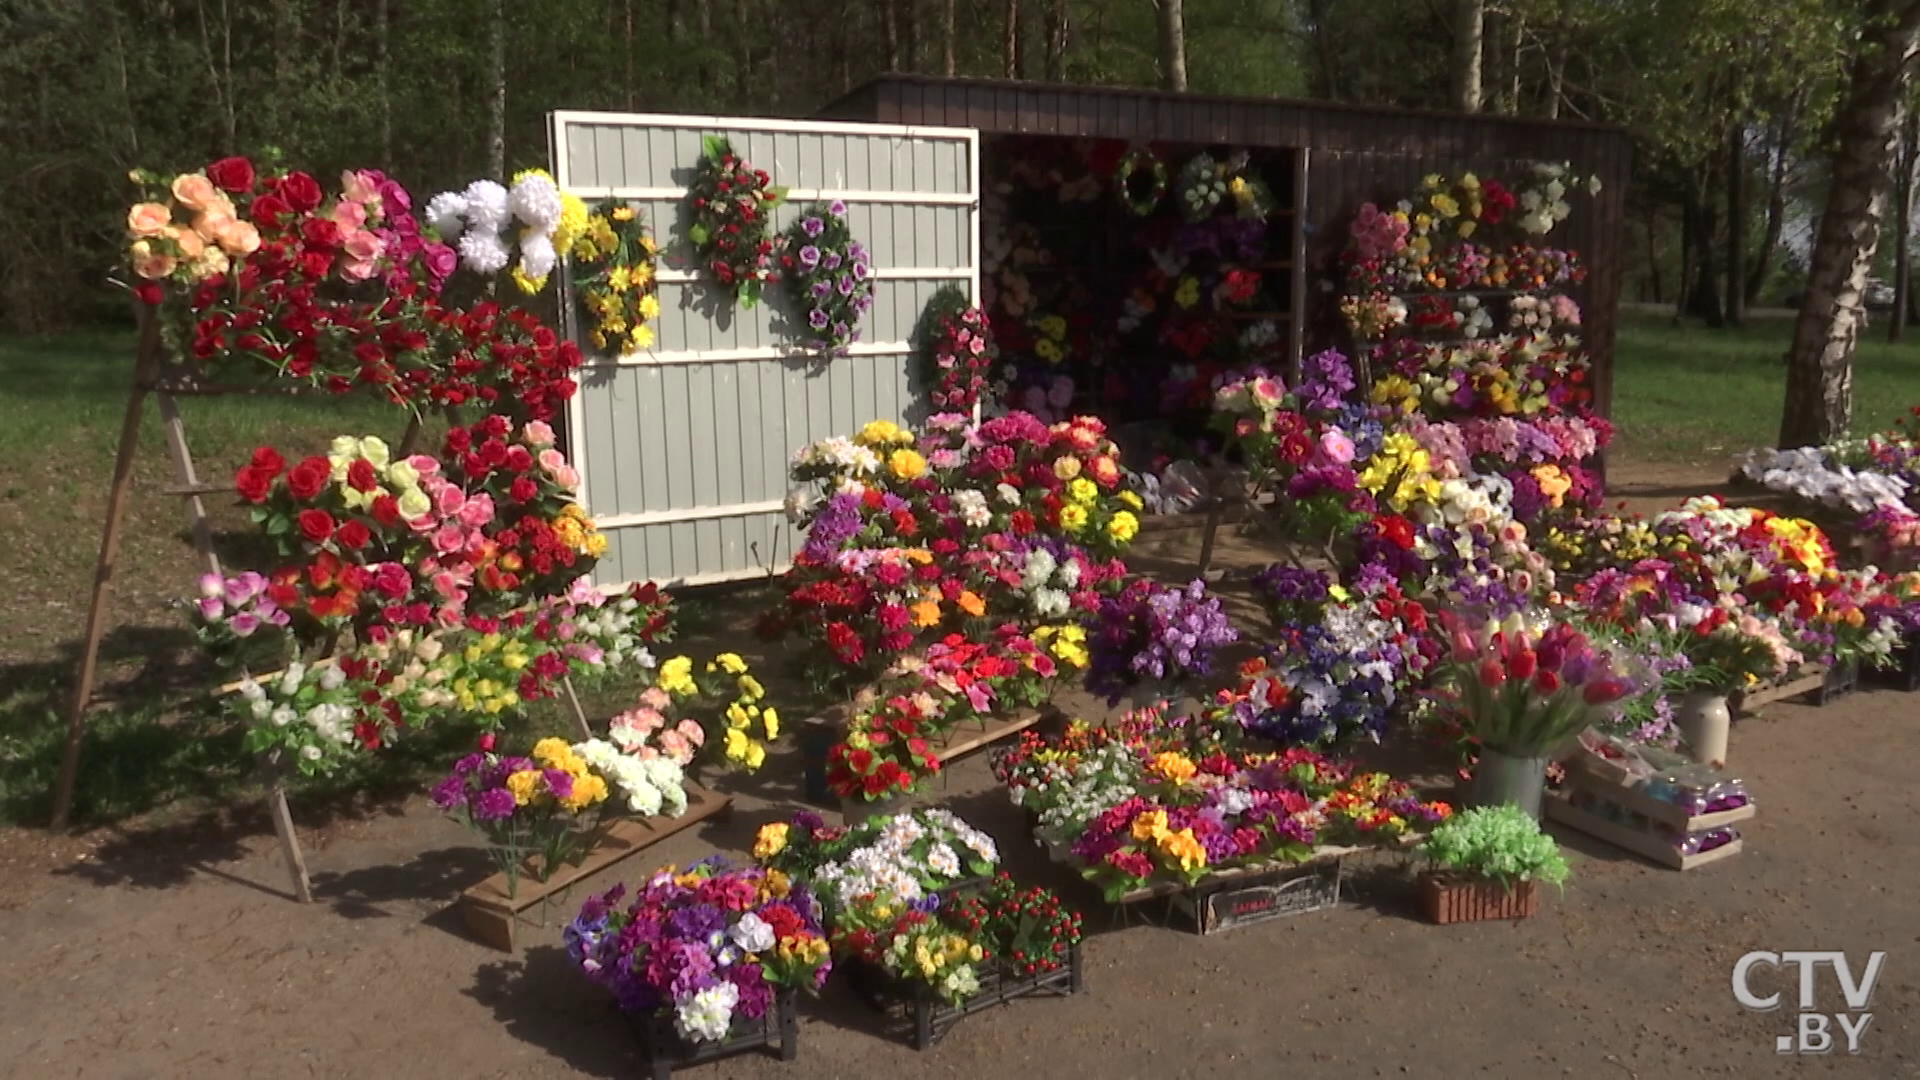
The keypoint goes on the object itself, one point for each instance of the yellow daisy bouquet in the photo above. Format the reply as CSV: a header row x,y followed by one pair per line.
x,y
721,699
613,272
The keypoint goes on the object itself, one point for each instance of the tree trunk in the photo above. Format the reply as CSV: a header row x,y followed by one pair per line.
x,y
1173,44
910,34
703,12
1059,14
1556,78
890,33
1010,40
1903,224
1819,397
1327,63
382,35
1737,226
1680,296
1469,40
742,55
948,29
842,52
1783,134
497,99
1653,257
1703,292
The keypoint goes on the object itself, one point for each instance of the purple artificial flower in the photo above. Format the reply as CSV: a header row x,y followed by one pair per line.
x,y
845,285
821,290
817,318
860,270
493,804
813,226
559,783
832,261
243,623
837,521
837,208
451,793
809,256
842,332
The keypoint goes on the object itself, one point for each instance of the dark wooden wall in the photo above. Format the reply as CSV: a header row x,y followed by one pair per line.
x,y
1355,155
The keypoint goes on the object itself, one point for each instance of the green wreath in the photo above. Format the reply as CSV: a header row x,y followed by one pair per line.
x,y
1141,206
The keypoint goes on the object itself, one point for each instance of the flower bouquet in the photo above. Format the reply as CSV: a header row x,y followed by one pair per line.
x,y
1523,694
733,206
705,955
1152,636
613,273
828,274
699,716
906,856
537,813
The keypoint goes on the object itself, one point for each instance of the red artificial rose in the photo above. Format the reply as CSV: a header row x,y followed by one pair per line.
x,y
386,510
523,489
353,536
233,175
253,483
519,459
148,293
361,475
458,440
320,232
301,191
309,478
316,525
269,211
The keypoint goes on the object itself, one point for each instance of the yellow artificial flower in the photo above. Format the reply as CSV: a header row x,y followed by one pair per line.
x,y
522,785
574,220
620,279
1175,767
907,464
1082,490
552,752
1187,294
1130,500
649,306
1073,518
676,677
1066,467
1049,351
925,613
587,790
879,433
776,884
1446,206
751,689
731,663
1183,847
756,756
770,720
622,213
1123,526
771,840
1053,326
1150,826
971,603
737,744
596,544
737,716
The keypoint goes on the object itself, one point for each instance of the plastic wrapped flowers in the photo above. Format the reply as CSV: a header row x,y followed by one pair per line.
x,y
709,948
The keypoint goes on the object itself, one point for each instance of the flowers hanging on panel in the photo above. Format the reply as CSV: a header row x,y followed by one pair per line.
x,y
487,221
1140,182
732,230
613,270
828,275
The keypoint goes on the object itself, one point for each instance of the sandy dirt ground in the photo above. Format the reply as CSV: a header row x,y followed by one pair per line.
x,y
174,951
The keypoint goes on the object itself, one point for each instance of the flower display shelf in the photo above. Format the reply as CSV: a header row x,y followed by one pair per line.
x,y
932,1018
1811,679
1639,823
1447,899
1904,672
664,1050
493,916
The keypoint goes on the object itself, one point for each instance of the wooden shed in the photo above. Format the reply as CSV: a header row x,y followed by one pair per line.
x,y
684,447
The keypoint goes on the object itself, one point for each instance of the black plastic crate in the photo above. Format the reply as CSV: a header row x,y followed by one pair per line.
x,y
932,1018
1904,672
1841,680
664,1050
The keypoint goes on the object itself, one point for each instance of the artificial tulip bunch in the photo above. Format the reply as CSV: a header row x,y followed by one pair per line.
x,y
1523,692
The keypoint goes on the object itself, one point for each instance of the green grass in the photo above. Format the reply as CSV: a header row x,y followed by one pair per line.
x,y
1687,393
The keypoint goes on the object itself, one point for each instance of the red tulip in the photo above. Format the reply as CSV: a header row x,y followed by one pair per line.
x,y
1546,683
486,743
1604,691
1522,663
1492,674
1463,649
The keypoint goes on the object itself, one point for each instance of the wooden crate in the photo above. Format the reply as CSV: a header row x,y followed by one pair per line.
x,y
1649,843
1216,906
1811,679
492,915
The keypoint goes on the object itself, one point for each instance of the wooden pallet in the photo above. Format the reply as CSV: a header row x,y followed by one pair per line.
x,y
1646,845
1812,678
492,915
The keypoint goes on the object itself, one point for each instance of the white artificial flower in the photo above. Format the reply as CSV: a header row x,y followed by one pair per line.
x,y
311,753
282,716
752,934
535,202
482,252
537,257
447,213
707,1015
291,679
1008,494
332,677
486,206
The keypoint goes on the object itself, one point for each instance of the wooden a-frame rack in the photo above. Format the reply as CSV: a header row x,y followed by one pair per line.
x,y
150,379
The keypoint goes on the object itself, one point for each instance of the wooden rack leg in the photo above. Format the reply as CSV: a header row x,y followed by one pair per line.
x,y
183,464
283,828
411,437
579,714
1214,513
97,607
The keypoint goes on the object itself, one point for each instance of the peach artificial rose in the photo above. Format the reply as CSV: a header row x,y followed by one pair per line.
x,y
349,216
190,243
240,238
150,264
211,261
211,223
363,246
356,187
194,191
148,219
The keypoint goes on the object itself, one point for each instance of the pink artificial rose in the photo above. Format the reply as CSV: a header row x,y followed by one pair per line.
x,y
1336,447
567,477
675,745
478,511
692,732
552,460
440,260
538,433
449,500
655,698
211,608
363,246
424,466
358,187
350,216
447,585
448,539
358,269
195,192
